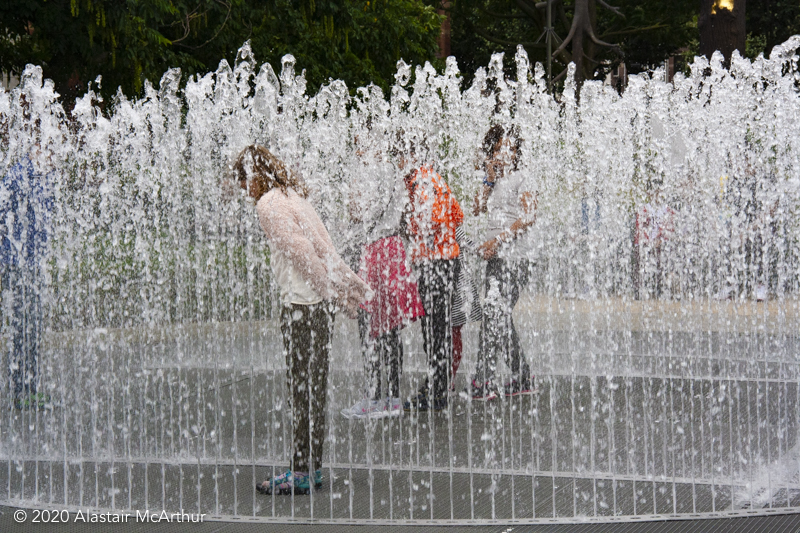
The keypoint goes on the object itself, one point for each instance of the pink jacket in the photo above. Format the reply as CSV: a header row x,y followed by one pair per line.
x,y
396,301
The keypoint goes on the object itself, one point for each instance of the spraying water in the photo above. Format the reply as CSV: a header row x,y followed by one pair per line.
x,y
660,319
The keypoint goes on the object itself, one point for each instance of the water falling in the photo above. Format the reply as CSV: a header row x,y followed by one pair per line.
x,y
660,319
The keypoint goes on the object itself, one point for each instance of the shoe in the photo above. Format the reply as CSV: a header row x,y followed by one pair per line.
x,y
318,479
515,388
288,482
422,403
38,401
394,407
761,293
480,393
422,395
367,408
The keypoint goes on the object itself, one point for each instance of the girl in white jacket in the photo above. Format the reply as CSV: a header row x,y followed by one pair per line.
x,y
313,279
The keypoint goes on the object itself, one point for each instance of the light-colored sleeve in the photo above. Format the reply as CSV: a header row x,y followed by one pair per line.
x,y
526,196
345,286
277,219
312,252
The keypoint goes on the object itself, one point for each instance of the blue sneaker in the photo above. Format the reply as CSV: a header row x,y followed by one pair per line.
x,y
318,479
37,401
287,483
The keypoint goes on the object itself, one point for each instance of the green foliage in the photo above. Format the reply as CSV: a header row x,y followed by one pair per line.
x,y
691,49
771,22
125,42
480,28
358,41
127,263
755,45
130,41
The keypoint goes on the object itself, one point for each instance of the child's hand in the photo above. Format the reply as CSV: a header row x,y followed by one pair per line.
x,y
351,312
488,249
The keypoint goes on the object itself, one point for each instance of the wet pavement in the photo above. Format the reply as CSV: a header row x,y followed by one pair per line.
x,y
657,422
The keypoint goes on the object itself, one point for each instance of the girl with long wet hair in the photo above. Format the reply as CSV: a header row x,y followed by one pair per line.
x,y
510,206
432,216
313,280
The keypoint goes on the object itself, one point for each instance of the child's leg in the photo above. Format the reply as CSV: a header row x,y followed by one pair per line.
x,y
296,330
321,327
393,357
371,348
457,351
374,369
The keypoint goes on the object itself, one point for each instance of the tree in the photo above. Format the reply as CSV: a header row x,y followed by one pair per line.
x,y
125,42
584,22
652,31
722,27
129,41
771,22
358,41
605,32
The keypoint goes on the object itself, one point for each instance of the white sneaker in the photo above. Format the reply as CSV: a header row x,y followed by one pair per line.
x,y
394,407
723,294
761,293
366,408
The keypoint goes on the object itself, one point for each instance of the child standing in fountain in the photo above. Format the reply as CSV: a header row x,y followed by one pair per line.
x,y
511,210
375,214
432,216
312,279
26,203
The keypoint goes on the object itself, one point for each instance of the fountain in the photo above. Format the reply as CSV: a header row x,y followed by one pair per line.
x,y
666,361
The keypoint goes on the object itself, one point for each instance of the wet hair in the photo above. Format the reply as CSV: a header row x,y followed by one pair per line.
x,y
396,143
408,143
497,133
257,164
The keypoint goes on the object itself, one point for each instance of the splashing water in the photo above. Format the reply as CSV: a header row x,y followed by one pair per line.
x,y
660,319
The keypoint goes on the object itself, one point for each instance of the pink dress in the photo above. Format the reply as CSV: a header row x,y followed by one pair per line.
x,y
396,300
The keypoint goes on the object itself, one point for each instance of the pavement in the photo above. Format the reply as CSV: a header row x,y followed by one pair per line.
x,y
653,409
777,523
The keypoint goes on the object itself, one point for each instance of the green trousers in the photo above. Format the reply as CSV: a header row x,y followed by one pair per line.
x,y
306,333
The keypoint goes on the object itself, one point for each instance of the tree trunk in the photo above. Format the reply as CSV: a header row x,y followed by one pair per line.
x,y
577,57
590,48
721,28
444,33
583,38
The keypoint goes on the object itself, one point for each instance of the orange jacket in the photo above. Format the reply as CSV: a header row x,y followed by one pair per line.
x,y
433,218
